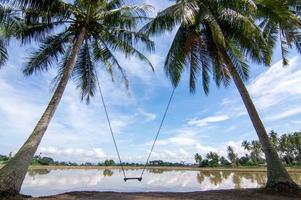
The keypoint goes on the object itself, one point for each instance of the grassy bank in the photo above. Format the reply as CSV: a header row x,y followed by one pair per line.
x,y
239,169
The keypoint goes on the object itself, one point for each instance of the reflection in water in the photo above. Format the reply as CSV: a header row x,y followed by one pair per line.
x,y
238,179
49,182
155,171
108,172
33,172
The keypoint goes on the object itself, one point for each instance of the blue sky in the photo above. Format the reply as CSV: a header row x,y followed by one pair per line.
x,y
195,123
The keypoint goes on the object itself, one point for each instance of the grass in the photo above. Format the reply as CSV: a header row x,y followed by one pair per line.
x,y
238,169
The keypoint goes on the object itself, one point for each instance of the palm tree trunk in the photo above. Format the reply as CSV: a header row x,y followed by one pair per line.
x,y
278,177
13,173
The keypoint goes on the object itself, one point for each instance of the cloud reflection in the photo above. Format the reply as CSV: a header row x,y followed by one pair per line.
x,y
49,182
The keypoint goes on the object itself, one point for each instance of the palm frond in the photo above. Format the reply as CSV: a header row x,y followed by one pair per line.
x,y
166,20
103,54
177,58
3,52
117,44
132,37
9,20
84,73
44,5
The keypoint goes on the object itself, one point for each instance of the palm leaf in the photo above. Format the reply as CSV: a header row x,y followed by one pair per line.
x,y
84,73
3,52
50,50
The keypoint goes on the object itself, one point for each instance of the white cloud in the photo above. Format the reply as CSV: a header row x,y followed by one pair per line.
x,y
184,153
73,154
206,121
296,122
148,116
221,149
275,93
284,114
201,149
181,137
277,84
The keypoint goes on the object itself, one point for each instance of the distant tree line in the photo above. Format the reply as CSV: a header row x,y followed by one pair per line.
x,y
43,160
167,164
288,147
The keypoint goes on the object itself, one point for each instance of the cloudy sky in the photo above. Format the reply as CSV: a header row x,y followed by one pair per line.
x,y
195,123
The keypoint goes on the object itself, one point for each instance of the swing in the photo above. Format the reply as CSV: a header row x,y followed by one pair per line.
x,y
114,140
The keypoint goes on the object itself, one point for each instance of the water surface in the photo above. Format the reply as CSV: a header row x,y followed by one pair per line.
x,y
44,182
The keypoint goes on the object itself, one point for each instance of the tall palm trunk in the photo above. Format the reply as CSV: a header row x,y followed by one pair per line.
x,y
278,177
13,173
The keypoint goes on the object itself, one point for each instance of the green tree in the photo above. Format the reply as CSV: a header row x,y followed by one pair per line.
x,y
213,159
205,163
244,160
46,161
274,139
287,149
224,161
198,159
89,32
255,149
217,36
109,163
233,157
296,140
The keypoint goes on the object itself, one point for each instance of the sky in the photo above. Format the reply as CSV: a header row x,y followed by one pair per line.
x,y
194,124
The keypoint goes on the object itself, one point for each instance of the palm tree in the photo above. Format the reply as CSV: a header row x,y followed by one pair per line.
x,y
86,32
198,159
286,148
9,21
217,36
274,139
246,145
233,157
280,23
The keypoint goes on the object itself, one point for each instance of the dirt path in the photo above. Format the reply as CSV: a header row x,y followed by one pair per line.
x,y
250,194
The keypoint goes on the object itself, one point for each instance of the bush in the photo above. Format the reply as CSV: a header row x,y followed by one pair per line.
x,y
4,158
224,161
213,163
250,163
109,163
46,161
244,160
204,163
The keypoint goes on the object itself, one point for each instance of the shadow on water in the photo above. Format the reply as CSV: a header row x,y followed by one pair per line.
x,y
41,182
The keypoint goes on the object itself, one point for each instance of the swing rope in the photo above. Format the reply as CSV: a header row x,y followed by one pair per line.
x,y
159,131
109,123
113,137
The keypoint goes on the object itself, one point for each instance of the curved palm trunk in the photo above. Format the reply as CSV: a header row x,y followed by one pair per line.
x,y
278,177
13,174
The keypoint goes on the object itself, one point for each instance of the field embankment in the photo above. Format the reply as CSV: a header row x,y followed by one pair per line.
x,y
238,169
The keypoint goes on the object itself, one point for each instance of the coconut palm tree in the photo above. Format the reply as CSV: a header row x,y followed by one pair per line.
x,y
9,21
233,157
198,159
84,33
279,21
217,37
